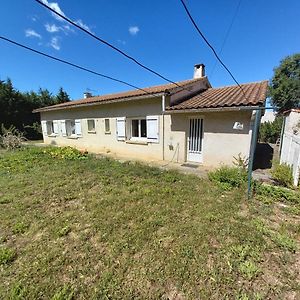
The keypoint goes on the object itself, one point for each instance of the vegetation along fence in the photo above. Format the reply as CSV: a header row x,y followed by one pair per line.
x,y
290,154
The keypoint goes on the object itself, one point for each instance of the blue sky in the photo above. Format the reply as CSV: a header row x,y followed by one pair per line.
x,y
157,33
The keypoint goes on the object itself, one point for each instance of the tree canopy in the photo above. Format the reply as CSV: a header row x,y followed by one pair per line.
x,y
16,107
284,89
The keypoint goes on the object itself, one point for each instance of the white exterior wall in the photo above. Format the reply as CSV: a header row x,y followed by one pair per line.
x,y
290,149
220,141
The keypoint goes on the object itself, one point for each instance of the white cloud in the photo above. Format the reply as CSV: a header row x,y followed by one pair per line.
x,y
52,28
32,33
81,24
54,43
133,30
55,6
122,42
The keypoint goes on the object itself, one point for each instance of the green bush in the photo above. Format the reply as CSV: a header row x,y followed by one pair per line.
x,y
65,153
269,132
282,174
228,177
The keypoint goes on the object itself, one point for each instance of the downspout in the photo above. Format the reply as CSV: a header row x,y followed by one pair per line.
x,y
163,108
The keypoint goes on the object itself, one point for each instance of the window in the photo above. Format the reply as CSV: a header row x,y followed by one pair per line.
x,y
70,127
138,128
50,127
91,126
107,126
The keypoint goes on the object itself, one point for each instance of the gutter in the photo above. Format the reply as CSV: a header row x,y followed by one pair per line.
x,y
214,109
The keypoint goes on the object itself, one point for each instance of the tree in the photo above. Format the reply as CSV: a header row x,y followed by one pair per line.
x,y
284,89
62,96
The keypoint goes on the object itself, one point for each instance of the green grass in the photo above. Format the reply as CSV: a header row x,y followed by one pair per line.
x,y
100,229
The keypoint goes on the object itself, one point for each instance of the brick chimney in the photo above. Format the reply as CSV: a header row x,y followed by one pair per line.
x,y
199,71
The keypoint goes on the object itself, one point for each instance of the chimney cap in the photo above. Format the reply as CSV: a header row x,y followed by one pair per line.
x,y
199,65
87,95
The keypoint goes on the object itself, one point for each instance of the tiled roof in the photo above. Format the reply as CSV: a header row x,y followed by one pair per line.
x,y
122,96
228,96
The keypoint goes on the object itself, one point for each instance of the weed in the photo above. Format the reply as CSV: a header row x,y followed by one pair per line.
x,y
65,153
7,255
18,292
282,174
64,231
228,177
65,293
249,269
284,241
20,227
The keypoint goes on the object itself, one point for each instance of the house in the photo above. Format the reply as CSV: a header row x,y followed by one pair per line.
x,y
290,145
186,122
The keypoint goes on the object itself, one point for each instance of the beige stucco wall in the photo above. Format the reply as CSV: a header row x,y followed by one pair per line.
x,y
220,141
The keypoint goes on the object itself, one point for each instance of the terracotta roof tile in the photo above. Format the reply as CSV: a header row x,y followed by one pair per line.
x,y
228,96
120,96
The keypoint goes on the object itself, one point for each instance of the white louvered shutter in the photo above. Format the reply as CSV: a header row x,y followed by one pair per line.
x,y
153,129
44,127
78,127
63,127
55,127
121,132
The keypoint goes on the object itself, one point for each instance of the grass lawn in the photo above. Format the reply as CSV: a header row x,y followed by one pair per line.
x,y
101,229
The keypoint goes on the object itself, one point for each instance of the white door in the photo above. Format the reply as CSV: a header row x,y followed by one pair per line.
x,y
194,142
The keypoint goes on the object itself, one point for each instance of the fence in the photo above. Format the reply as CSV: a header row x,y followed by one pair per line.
x,y
290,154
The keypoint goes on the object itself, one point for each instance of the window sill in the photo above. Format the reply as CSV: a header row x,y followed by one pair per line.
x,y
92,132
73,137
107,132
52,135
138,142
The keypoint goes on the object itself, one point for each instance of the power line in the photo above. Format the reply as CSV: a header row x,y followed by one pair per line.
x,y
210,46
227,33
73,64
109,45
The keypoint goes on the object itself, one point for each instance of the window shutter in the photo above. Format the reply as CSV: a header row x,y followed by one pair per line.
x,y
152,129
55,127
63,127
78,127
121,132
44,127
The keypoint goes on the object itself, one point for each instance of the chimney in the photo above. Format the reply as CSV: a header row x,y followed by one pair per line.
x,y
87,95
199,71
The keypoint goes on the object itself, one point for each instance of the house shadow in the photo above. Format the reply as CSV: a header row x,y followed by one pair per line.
x,y
263,156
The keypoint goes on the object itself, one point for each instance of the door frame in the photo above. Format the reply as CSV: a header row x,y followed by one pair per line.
x,y
188,138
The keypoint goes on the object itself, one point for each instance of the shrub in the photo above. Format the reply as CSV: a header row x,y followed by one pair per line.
x,y
11,138
66,153
282,174
241,161
269,132
228,177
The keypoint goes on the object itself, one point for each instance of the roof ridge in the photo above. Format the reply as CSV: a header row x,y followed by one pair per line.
x,y
235,85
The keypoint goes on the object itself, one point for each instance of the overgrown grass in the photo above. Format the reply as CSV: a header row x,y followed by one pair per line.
x,y
100,229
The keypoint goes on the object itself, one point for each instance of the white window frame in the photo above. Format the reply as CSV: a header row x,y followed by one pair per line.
x,y
139,137
93,130
107,131
51,131
72,133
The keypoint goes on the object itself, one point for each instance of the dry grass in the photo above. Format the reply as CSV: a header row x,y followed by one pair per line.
x,y
101,229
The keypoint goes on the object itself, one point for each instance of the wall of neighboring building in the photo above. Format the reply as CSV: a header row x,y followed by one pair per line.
x,y
290,147
220,141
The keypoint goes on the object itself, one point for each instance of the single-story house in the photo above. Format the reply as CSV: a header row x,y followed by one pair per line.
x,y
186,122
290,142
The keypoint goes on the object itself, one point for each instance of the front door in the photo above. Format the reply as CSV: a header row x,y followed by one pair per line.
x,y
194,142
